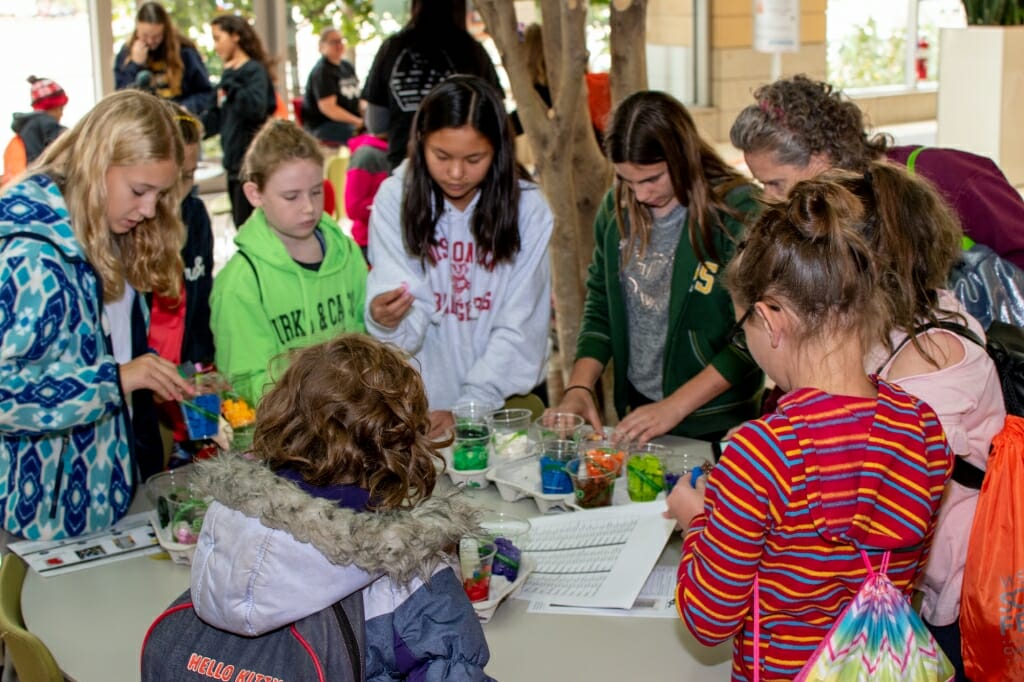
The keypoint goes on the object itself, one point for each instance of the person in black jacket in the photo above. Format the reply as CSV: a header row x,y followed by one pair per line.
x,y
159,59
179,331
245,100
433,45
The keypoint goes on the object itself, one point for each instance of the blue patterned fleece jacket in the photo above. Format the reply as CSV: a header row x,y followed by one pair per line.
x,y
65,464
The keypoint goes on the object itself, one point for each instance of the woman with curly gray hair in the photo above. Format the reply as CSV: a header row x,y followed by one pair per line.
x,y
799,127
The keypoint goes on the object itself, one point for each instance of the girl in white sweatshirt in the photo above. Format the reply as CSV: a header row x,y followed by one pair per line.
x,y
459,251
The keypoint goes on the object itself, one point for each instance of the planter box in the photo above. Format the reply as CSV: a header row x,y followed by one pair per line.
x,y
981,94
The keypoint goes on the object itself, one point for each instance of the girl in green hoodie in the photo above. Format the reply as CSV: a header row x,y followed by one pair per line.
x,y
296,279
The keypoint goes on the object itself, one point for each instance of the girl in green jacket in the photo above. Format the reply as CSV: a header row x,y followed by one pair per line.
x,y
655,303
296,280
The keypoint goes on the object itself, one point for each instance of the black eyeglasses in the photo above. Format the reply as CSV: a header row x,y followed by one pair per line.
x,y
737,336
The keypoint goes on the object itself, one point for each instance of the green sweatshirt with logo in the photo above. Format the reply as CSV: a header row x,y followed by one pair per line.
x,y
264,303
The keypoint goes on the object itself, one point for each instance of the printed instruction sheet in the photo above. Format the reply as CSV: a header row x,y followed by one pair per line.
x,y
596,558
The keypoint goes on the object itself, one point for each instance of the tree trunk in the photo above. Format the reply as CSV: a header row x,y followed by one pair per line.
x,y
628,21
571,169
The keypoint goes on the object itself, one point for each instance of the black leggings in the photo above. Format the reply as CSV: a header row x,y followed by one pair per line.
x,y
948,637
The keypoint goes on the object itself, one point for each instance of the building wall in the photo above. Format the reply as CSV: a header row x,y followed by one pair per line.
x,y
736,69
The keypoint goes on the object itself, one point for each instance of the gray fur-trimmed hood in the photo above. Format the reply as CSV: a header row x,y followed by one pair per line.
x,y
402,544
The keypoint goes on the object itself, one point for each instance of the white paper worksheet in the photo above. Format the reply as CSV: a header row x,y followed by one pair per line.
x,y
598,557
657,600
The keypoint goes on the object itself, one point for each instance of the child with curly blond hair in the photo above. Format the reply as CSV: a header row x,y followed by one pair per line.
x,y
339,499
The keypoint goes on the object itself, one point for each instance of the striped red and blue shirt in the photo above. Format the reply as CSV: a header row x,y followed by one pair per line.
x,y
793,499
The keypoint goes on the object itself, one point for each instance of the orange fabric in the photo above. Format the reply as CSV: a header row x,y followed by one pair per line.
x,y
992,601
281,111
599,99
15,159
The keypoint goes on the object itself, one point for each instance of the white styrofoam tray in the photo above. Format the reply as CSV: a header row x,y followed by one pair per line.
x,y
520,478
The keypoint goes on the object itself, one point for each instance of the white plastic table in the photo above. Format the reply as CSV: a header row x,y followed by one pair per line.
x,y
94,622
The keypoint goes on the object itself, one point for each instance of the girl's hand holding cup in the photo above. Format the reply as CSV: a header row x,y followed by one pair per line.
x,y
160,376
685,502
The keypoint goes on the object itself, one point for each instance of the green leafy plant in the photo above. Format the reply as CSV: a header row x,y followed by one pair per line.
x,y
994,12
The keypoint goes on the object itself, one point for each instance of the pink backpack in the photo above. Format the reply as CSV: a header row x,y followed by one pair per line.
x,y
878,637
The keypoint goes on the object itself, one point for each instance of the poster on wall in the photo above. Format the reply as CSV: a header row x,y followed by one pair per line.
x,y
776,26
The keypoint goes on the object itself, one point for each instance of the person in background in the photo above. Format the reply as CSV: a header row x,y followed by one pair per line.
x,y
797,495
86,233
160,59
34,131
950,372
461,277
330,106
245,100
799,127
433,45
342,437
367,169
179,326
296,279
655,301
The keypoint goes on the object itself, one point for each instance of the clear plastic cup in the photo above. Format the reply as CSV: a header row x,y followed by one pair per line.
x,y
687,466
472,411
476,559
180,509
611,454
556,426
555,454
510,431
592,482
645,473
471,447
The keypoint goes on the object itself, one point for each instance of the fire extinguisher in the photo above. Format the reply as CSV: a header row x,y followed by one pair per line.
x,y
921,58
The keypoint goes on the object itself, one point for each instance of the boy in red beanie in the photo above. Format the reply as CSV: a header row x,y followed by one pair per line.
x,y
35,130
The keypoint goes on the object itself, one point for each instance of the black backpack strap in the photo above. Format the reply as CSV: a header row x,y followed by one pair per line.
x,y
946,325
259,289
355,654
964,473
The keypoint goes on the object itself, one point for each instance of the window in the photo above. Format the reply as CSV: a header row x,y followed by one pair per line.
x,y
878,43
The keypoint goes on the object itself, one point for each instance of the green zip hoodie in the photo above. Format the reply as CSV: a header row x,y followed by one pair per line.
x,y
264,303
699,319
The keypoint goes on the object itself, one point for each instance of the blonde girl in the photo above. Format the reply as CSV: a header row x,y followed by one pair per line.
x,y
94,224
296,279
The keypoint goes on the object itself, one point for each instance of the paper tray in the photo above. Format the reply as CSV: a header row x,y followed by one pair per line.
x,y
500,589
520,478
476,478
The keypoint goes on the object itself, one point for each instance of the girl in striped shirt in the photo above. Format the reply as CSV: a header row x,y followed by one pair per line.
x,y
846,462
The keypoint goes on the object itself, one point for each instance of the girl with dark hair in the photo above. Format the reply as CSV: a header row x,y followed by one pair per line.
x,y
342,438
433,45
459,248
158,58
848,463
245,100
671,222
